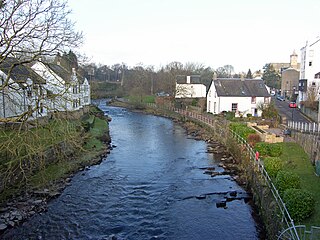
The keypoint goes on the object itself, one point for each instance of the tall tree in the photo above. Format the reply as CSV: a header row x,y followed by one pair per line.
x,y
249,74
271,77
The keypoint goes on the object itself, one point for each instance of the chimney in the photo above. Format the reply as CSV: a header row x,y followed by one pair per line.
x,y
214,77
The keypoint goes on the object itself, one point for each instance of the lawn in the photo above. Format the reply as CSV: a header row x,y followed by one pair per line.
x,y
296,160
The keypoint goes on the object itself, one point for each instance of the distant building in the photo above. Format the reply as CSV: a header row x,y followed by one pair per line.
x,y
279,67
289,83
190,87
238,95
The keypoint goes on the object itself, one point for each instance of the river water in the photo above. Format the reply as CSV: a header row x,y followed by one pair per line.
x,y
148,187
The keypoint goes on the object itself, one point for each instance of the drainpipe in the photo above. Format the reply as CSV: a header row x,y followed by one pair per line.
x,y
319,110
3,99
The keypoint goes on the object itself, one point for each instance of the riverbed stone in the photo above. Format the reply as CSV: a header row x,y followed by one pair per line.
x,y
3,227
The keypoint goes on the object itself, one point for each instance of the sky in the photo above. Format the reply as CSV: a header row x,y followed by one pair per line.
x,y
246,34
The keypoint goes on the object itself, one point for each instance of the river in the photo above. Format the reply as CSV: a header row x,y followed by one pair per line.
x,y
151,186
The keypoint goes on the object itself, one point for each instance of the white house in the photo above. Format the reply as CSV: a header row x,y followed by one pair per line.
x,y
67,90
22,92
309,69
241,96
32,92
190,87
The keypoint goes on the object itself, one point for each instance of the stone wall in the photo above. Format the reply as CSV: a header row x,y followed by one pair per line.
x,y
310,144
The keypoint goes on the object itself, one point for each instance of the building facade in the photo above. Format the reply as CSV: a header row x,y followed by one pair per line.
x,y
242,96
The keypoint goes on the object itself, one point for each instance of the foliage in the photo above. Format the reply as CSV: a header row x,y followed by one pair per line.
x,y
271,77
300,203
275,149
230,115
273,165
249,74
262,148
253,139
242,129
270,112
286,180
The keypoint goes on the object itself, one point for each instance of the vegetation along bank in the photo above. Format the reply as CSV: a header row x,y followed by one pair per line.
x,y
288,166
38,162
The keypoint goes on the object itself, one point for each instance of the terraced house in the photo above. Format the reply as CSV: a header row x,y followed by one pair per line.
x,y
41,88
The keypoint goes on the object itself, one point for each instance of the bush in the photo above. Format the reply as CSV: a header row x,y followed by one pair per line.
x,y
230,115
253,139
262,148
242,129
300,203
275,149
273,165
286,180
269,149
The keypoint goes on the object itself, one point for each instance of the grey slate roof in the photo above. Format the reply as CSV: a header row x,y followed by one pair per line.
x,y
19,72
64,73
235,87
182,79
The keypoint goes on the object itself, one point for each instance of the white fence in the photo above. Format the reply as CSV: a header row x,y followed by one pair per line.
x,y
313,128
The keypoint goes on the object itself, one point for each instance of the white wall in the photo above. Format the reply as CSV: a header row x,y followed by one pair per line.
x,y
190,90
216,104
310,53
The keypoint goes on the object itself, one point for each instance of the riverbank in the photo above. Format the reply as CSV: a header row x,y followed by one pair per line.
x,y
199,132
229,153
22,201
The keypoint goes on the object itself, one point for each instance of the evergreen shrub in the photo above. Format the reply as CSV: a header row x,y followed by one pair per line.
x,y
286,180
273,165
300,203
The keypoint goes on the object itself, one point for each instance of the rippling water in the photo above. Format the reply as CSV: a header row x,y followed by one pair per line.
x,y
146,188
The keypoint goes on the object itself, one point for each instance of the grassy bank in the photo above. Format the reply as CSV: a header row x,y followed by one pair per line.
x,y
297,161
87,137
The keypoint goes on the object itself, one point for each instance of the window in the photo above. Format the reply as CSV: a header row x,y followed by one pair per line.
x,y
214,107
310,64
253,99
234,107
29,93
40,110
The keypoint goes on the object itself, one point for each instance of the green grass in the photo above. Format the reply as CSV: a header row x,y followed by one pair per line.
x,y
297,161
92,149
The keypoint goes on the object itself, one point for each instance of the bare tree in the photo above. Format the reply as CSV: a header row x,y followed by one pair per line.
x,y
33,28
30,30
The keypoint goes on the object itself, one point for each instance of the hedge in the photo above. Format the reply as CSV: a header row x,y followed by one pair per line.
x,y
300,203
286,180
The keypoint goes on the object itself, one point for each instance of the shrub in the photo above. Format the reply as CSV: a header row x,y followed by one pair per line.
x,y
300,203
249,115
273,165
230,115
275,149
269,149
253,138
242,129
262,148
286,180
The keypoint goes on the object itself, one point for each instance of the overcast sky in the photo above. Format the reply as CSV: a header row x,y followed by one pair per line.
x,y
242,33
